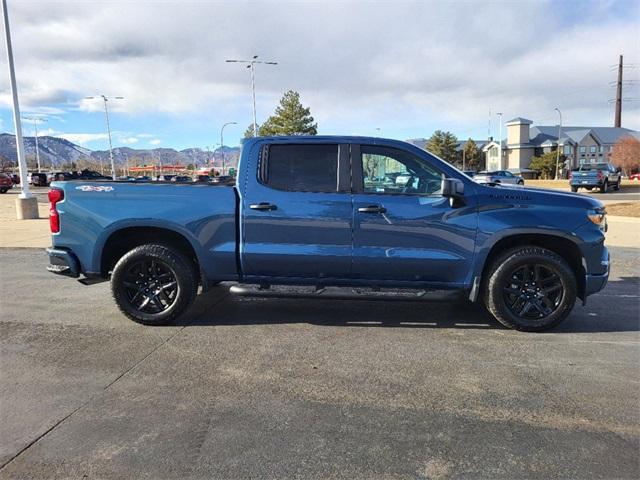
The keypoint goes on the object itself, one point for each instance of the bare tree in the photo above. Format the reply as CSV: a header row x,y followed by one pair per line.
x,y
626,154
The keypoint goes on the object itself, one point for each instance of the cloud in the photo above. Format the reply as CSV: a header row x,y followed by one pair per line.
x,y
358,65
83,138
129,140
155,141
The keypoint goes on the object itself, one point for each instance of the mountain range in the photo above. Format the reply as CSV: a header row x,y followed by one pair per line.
x,y
56,153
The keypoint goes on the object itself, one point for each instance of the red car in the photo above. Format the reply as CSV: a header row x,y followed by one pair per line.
x,y
634,176
6,183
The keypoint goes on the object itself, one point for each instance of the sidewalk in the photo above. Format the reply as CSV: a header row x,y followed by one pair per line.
x,y
623,231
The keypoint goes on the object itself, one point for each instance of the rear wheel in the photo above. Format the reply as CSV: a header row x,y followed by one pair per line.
x,y
154,284
574,189
605,187
3,190
530,289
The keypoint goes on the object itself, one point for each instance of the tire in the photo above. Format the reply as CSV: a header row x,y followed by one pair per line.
x,y
616,187
520,182
3,190
605,187
544,297
137,276
574,189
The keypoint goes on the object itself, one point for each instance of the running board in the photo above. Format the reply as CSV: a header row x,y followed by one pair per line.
x,y
346,293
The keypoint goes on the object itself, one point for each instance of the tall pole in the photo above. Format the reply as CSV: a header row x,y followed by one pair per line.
x,y
35,121
500,141
558,149
105,99
106,116
22,164
618,119
222,143
250,66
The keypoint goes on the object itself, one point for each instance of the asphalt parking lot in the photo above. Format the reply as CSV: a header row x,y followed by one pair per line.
x,y
256,388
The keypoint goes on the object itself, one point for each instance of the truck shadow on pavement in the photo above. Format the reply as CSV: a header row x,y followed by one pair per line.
x,y
615,309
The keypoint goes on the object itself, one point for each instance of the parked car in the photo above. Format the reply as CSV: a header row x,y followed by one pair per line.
x,y
224,180
14,177
634,176
181,179
499,176
596,175
39,180
304,216
6,183
202,178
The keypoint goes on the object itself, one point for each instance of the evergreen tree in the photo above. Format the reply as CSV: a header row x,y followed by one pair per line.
x,y
471,155
290,118
443,144
248,133
545,164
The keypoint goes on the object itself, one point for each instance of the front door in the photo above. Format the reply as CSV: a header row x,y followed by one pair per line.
x,y
297,215
404,229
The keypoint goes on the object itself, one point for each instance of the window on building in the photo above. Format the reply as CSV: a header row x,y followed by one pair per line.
x,y
302,168
601,148
592,149
583,149
567,150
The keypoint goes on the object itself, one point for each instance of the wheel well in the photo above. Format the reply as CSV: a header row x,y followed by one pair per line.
x,y
563,247
126,239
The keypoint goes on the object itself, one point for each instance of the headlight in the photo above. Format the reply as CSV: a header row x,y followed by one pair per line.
x,y
598,217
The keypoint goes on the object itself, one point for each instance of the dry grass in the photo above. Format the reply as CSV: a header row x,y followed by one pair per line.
x,y
627,185
627,209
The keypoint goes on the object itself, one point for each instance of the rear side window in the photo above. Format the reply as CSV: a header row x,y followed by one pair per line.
x,y
301,168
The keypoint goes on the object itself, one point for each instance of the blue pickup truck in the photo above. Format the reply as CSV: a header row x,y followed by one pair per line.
x,y
327,214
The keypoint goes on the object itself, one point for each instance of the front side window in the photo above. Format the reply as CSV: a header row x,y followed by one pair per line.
x,y
393,171
301,168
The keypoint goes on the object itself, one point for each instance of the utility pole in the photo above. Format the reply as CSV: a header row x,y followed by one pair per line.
x,y
106,116
26,204
500,140
222,144
558,149
35,121
618,119
251,63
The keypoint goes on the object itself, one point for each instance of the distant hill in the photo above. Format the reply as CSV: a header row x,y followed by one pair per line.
x,y
57,152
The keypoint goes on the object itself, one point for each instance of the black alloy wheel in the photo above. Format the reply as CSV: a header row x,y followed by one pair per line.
x,y
533,291
151,286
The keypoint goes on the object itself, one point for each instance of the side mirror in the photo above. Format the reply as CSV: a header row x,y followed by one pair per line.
x,y
452,188
618,170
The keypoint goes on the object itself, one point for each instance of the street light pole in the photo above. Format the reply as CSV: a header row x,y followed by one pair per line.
x,y
35,121
558,149
222,143
106,116
500,140
22,164
251,63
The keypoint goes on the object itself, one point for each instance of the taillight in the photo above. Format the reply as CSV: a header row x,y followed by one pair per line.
x,y
55,196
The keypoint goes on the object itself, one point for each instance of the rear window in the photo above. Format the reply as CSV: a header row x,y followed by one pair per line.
x,y
301,168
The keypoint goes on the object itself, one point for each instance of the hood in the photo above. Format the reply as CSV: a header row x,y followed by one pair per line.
x,y
541,196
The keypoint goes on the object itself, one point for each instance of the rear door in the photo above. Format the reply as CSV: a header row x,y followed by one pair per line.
x,y
404,229
297,215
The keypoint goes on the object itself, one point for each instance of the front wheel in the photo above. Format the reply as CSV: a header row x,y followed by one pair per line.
x,y
154,284
520,182
530,289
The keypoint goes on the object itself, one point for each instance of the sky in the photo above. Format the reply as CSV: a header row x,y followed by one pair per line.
x,y
392,69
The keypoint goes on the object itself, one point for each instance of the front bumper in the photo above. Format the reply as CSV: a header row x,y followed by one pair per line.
x,y
596,282
63,262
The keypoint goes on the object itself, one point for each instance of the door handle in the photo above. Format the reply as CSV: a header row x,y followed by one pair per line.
x,y
372,209
263,206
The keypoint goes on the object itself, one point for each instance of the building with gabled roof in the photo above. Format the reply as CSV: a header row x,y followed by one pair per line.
x,y
579,144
